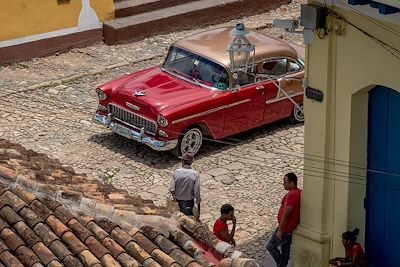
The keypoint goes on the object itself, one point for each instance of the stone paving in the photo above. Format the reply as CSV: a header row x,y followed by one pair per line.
x,y
46,104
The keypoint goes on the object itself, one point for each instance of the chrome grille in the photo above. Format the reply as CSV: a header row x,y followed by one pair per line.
x,y
132,119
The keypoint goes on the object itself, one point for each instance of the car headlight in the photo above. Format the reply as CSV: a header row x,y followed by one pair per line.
x,y
162,121
100,94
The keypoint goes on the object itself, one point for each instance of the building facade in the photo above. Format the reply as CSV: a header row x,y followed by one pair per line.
x,y
352,159
38,28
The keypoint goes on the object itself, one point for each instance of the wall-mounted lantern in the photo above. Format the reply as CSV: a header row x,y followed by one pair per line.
x,y
240,50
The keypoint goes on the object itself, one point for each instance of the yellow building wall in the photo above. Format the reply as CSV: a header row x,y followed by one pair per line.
x,y
21,18
345,67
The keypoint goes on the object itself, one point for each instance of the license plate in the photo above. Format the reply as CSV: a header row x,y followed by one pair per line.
x,y
122,131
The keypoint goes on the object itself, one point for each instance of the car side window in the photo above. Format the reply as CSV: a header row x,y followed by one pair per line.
x,y
294,66
271,68
274,67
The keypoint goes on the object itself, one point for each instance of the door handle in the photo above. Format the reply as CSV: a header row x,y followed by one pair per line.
x,y
260,87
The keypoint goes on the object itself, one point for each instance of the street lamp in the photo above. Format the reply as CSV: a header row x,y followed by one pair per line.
x,y
240,49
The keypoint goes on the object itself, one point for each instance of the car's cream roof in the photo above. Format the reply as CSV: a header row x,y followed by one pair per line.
x,y
212,44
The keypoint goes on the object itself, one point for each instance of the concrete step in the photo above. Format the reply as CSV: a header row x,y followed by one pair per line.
x,y
133,7
183,16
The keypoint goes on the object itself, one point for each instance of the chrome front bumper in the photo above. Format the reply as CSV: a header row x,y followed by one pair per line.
x,y
137,136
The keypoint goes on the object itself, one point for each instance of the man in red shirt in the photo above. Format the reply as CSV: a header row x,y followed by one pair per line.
x,y
221,227
288,219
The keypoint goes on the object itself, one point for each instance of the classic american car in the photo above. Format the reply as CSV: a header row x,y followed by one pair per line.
x,y
194,94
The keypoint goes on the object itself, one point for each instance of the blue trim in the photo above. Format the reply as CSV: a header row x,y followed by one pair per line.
x,y
383,8
359,2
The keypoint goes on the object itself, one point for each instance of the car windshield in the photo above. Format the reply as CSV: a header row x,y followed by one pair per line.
x,y
198,69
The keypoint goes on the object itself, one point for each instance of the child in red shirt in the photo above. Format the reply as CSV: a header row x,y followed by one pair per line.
x,y
220,228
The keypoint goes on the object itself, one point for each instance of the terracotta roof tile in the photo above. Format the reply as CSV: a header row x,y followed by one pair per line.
x,y
120,236
56,225
161,257
8,173
12,240
73,243
3,224
112,246
44,253
41,210
63,215
23,194
30,216
3,246
3,188
131,230
165,244
50,203
84,219
79,230
106,224
144,242
8,198
97,231
137,252
127,260
70,195
50,190
96,247
88,259
44,232
181,257
194,264
108,261
71,261
27,234
150,263
54,264
9,260
149,231
59,249
27,256
8,214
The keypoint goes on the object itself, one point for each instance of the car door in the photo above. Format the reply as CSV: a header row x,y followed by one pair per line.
x,y
280,104
245,108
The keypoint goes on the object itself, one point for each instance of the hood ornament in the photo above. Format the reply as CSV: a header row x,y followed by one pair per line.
x,y
139,92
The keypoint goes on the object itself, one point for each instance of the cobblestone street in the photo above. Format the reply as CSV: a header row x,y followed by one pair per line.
x,y
47,103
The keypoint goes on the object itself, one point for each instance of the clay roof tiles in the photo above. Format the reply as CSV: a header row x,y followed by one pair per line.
x,y
55,237
73,221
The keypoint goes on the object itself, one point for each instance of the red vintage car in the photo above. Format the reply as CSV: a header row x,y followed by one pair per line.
x,y
194,93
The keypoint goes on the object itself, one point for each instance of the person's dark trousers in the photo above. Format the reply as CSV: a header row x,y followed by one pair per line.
x,y
281,256
186,206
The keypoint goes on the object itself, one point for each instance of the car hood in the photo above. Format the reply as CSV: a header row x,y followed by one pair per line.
x,y
158,90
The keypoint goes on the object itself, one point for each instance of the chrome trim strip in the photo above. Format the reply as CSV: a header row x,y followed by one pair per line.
x,y
137,136
210,111
238,103
281,98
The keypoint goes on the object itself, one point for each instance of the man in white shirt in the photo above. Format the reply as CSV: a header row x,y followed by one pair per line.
x,y
185,186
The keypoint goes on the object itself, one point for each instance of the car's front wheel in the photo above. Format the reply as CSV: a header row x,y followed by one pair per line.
x,y
297,114
189,142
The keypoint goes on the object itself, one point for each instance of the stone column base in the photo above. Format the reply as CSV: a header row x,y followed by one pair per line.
x,y
310,248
